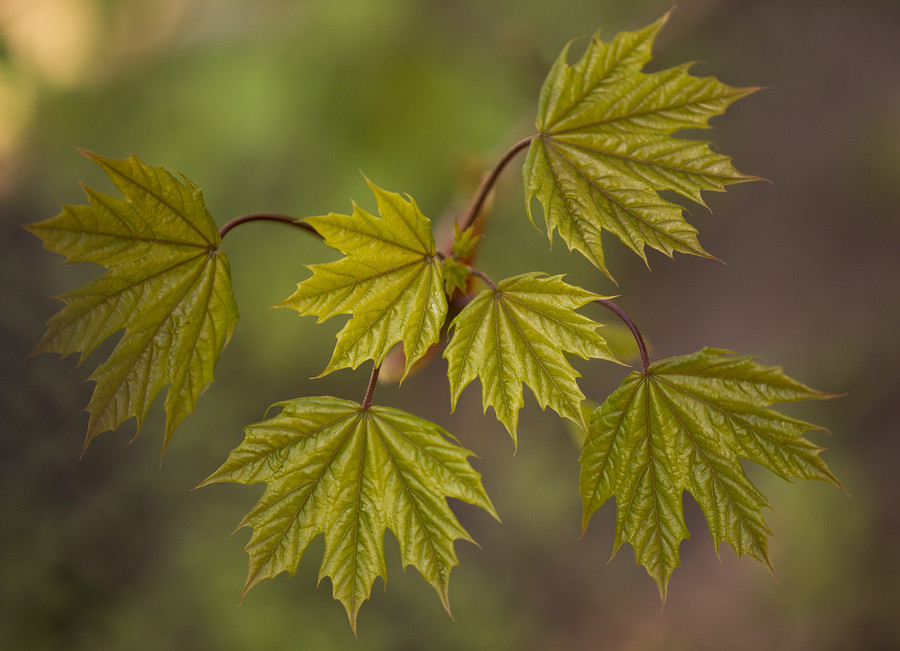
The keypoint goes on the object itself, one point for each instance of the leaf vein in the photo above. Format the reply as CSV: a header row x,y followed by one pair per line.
x,y
161,200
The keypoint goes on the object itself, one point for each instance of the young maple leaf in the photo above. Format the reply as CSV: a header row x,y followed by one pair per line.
x,y
466,242
167,285
683,426
519,333
390,282
604,149
456,275
334,468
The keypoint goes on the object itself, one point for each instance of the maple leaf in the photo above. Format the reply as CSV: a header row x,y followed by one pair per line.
x,y
167,286
465,243
455,268
455,276
683,426
334,468
604,148
519,333
390,282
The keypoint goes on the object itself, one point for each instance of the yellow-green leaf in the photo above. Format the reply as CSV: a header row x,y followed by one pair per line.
x,y
333,468
520,332
455,276
605,148
464,242
390,282
684,425
167,286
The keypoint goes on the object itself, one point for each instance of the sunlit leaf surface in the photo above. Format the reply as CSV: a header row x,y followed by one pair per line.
x,y
519,333
390,282
167,286
336,469
605,150
683,426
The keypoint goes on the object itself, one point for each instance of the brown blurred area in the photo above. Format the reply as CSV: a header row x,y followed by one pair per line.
x,y
276,107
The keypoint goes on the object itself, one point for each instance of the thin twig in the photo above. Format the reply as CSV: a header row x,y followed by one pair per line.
x,y
622,314
370,390
270,217
483,276
489,181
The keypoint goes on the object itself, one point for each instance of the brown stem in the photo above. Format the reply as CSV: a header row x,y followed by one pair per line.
x,y
483,276
263,216
622,314
489,180
370,390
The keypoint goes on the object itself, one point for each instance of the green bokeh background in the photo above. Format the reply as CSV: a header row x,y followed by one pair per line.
x,y
276,106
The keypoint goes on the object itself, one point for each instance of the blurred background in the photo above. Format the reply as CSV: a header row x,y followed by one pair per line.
x,y
277,106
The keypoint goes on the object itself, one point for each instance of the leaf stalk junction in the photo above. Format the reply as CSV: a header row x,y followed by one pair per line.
x,y
628,321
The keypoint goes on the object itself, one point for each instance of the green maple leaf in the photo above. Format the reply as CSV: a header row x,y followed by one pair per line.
x,y
167,286
390,282
519,333
683,426
334,468
455,276
604,148
464,242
